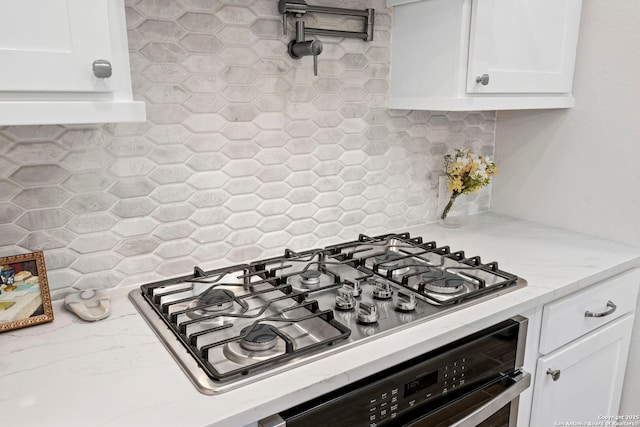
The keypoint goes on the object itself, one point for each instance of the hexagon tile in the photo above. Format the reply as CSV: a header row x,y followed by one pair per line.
x,y
244,153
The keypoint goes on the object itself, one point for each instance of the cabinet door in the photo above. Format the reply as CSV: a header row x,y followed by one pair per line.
x,y
591,373
50,45
523,46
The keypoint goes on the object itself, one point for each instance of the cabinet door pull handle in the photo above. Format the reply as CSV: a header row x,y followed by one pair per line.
x,y
483,79
555,373
611,309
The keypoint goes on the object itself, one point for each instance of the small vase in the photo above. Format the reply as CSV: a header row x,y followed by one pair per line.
x,y
457,208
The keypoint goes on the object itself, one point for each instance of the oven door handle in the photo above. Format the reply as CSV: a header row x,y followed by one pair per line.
x,y
521,383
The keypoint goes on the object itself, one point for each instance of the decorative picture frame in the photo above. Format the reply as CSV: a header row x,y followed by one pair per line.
x,y
24,292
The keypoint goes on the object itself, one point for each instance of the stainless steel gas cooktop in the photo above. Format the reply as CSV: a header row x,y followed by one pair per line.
x,y
232,326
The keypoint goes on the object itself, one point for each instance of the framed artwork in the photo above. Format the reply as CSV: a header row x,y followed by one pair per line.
x,y
24,292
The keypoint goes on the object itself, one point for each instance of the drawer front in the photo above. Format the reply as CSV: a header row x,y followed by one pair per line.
x,y
570,317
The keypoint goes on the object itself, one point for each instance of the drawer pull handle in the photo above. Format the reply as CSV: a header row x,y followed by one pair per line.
x,y
555,373
611,309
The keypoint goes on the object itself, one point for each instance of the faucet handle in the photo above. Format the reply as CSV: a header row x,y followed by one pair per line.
x,y
307,48
301,47
284,24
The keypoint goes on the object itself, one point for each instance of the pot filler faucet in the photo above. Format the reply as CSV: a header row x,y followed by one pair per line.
x,y
300,47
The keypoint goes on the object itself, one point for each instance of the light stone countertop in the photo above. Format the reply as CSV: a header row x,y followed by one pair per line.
x,y
115,372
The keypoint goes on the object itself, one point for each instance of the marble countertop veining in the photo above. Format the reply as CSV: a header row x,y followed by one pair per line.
x,y
115,372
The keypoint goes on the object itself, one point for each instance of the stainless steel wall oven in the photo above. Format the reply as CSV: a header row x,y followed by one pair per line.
x,y
474,381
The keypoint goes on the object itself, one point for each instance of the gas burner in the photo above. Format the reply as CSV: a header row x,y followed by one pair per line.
x,y
390,261
237,354
309,280
310,277
431,275
260,343
382,290
211,301
259,337
445,286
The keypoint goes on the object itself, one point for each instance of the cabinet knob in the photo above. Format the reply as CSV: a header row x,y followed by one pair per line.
x,y
483,79
102,68
555,373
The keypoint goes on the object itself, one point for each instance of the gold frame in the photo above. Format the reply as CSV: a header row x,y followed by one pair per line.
x,y
32,263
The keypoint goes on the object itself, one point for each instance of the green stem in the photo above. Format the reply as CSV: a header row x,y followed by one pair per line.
x,y
447,208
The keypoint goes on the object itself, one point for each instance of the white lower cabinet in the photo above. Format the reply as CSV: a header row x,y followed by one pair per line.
x,y
590,373
582,354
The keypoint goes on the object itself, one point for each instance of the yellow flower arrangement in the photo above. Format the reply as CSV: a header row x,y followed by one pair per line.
x,y
467,172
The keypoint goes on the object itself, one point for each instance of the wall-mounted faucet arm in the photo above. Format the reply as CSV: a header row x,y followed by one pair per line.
x,y
300,8
297,7
299,47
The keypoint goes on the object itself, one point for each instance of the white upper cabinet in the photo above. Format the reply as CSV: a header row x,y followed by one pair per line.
x,y
52,48
65,61
483,54
523,45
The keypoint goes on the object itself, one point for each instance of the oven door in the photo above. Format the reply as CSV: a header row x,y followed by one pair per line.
x,y
493,405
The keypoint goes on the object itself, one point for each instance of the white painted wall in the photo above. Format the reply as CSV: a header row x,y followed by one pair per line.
x,y
580,168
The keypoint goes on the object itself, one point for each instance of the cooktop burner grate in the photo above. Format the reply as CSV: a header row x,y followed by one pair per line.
x,y
248,321
406,261
219,323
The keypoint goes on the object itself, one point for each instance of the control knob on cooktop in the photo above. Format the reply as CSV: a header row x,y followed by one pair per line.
x,y
404,301
345,299
353,287
367,313
382,290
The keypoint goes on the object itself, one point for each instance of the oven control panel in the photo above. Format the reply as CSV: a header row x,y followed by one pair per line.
x,y
420,385
387,404
383,406
454,375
